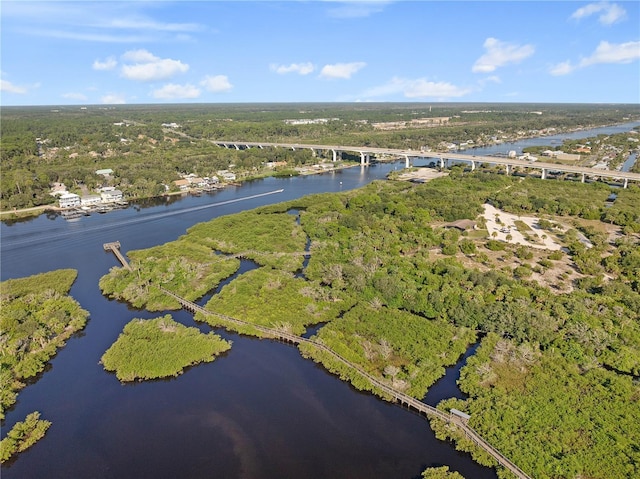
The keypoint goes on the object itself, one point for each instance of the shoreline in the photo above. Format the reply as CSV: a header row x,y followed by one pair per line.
x,y
34,211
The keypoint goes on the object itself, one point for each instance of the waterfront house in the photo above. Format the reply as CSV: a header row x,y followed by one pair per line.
x,y
199,182
111,196
69,200
182,184
90,200
227,175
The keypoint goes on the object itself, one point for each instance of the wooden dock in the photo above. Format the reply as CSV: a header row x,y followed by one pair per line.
x,y
399,397
114,247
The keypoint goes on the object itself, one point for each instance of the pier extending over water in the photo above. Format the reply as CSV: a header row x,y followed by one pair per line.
x,y
114,247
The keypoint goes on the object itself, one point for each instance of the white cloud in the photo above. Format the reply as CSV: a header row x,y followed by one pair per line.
x,y
75,96
500,53
341,70
563,68
139,56
109,64
300,68
94,21
605,52
217,83
613,53
143,23
490,79
114,99
171,91
610,13
148,67
418,88
9,87
88,37
422,88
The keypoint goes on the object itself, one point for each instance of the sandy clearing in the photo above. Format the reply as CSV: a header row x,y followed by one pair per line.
x,y
508,227
422,174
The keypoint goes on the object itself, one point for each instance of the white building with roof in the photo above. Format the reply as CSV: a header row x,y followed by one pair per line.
x,y
111,196
90,200
69,200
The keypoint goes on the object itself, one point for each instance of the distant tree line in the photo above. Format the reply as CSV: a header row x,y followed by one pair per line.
x,y
147,157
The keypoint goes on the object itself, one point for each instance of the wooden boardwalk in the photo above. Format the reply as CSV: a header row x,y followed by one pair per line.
x,y
115,248
398,396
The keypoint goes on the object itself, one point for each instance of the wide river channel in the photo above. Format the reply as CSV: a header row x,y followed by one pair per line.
x,y
258,411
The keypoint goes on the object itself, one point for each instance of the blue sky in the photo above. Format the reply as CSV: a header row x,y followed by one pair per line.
x,y
57,53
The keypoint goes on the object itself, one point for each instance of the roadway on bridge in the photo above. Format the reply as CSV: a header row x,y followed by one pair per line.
x,y
473,159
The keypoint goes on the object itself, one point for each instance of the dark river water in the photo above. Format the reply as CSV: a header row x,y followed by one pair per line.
x,y
258,411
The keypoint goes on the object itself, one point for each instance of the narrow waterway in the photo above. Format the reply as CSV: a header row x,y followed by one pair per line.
x,y
447,386
629,162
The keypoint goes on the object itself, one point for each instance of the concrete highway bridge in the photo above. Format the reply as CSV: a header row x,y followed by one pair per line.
x,y
444,159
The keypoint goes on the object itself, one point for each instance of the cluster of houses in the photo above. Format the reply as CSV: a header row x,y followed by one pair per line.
x,y
192,181
107,195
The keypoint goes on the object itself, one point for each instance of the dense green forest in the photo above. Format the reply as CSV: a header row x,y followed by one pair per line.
x,y
555,382
68,144
36,318
159,348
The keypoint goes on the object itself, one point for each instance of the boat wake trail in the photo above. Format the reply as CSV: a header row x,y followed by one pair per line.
x,y
125,222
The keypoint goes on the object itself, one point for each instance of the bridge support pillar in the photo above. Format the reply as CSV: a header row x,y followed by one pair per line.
x,y
407,162
473,165
626,183
313,152
364,158
335,155
544,174
583,177
441,163
237,147
508,170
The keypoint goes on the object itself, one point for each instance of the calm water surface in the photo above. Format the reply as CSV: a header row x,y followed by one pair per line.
x,y
258,411
551,140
